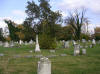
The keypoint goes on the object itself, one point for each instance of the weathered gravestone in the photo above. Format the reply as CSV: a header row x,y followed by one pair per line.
x,y
76,49
99,42
74,43
20,42
11,44
90,46
6,44
52,51
1,43
66,44
31,42
1,54
44,66
93,42
84,51
63,54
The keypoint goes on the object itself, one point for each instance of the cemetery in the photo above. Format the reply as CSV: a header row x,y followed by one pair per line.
x,y
72,60
49,37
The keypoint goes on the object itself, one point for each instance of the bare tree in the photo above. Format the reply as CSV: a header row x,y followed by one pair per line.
x,y
76,20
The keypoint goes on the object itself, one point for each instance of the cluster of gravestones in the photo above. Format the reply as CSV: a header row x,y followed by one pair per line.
x,y
7,44
44,65
77,46
12,44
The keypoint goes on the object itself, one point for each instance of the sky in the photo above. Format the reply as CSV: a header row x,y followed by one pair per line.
x,y
15,9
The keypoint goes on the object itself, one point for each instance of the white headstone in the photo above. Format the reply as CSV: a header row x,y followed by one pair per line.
x,y
20,42
6,44
44,66
74,43
66,44
31,42
76,49
93,42
83,51
37,48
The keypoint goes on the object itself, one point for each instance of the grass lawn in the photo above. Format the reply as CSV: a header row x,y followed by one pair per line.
x,y
15,61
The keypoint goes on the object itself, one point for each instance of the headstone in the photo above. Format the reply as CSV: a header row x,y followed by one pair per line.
x,y
30,51
81,46
37,48
1,43
11,44
26,43
76,49
20,42
44,66
83,51
1,54
31,42
6,44
93,42
99,42
63,41
74,43
52,51
90,46
66,44
63,54
83,40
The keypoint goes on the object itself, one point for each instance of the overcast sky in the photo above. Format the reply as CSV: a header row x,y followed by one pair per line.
x,y
15,9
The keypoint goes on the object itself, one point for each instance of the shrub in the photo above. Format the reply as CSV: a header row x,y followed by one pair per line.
x,y
97,36
85,36
47,42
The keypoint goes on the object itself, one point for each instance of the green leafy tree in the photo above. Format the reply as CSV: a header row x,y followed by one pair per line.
x,y
1,35
43,18
97,33
12,30
28,31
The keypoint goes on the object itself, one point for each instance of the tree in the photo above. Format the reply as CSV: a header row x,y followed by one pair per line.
x,y
28,31
43,18
97,33
66,33
20,33
76,21
12,30
1,35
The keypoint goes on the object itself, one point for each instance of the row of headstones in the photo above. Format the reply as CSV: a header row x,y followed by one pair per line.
x,y
77,50
77,47
26,43
11,44
67,45
6,44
